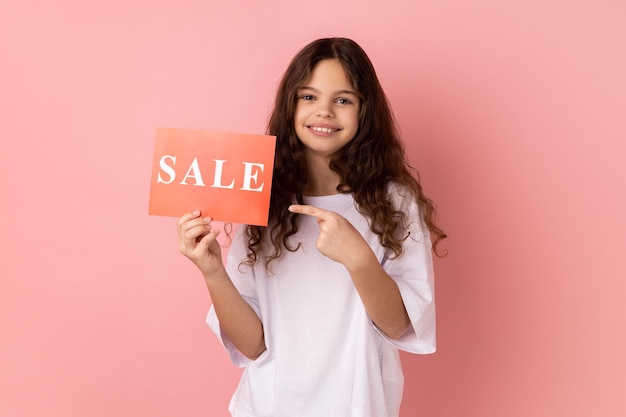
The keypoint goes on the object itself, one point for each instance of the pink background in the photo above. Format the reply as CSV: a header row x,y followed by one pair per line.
x,y
514,113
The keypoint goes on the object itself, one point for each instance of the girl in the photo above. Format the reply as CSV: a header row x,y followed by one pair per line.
x,y
316,305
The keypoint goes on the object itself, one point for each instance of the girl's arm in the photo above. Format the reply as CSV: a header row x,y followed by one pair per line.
x,y
197,241
380,295
341,242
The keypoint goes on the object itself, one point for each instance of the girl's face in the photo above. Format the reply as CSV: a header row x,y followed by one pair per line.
x,y
327,110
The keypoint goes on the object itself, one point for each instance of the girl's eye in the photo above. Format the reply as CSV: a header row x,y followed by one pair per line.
x,y
307,97
343,101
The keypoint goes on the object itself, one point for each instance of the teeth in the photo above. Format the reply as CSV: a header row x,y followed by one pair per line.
x,y
322,129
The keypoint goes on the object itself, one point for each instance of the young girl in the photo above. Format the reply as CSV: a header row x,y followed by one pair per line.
x,y
316,305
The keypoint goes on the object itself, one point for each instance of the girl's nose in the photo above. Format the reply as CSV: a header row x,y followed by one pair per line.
x,y
324,111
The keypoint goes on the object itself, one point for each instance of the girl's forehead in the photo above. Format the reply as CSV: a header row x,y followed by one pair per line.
x,y
329,73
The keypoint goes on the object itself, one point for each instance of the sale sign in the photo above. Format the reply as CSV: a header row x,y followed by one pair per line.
x,y
227,176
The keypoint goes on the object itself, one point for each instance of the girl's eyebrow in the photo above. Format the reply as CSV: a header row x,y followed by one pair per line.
x,y
338,92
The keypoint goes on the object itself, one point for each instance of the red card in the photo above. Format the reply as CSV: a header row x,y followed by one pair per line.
x,y
228,176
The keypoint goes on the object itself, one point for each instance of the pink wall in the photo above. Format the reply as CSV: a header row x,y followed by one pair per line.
x,y
514,112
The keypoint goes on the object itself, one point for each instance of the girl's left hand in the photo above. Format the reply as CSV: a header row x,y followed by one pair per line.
x,y
338,239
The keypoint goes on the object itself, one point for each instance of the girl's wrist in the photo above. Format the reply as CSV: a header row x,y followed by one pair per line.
x,y
365,262
215,275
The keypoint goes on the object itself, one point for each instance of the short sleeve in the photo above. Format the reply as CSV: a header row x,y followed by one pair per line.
x,y
413,273
243,279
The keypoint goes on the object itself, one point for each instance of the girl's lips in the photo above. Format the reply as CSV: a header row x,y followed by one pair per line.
x,y
323,129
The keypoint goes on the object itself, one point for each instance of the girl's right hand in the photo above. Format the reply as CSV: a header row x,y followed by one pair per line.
x,y
197,241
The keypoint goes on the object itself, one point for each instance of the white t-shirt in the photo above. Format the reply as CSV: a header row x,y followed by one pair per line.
x,y
325,357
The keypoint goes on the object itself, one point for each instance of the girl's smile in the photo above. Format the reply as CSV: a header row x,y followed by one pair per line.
x,y
323,129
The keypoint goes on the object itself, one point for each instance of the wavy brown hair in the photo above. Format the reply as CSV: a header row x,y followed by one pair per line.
x,y
367,165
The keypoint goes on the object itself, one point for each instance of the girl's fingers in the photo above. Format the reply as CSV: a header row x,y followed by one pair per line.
x,y
319,213
192,229
187,216
205,242
189,238
191,242
196,231
185,227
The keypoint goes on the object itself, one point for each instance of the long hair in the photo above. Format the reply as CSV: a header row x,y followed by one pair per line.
x,y
367,165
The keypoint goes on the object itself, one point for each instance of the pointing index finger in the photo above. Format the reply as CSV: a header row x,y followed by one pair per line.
x,y
309,210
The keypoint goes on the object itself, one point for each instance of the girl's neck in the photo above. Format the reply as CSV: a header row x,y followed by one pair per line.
x,y
322,180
